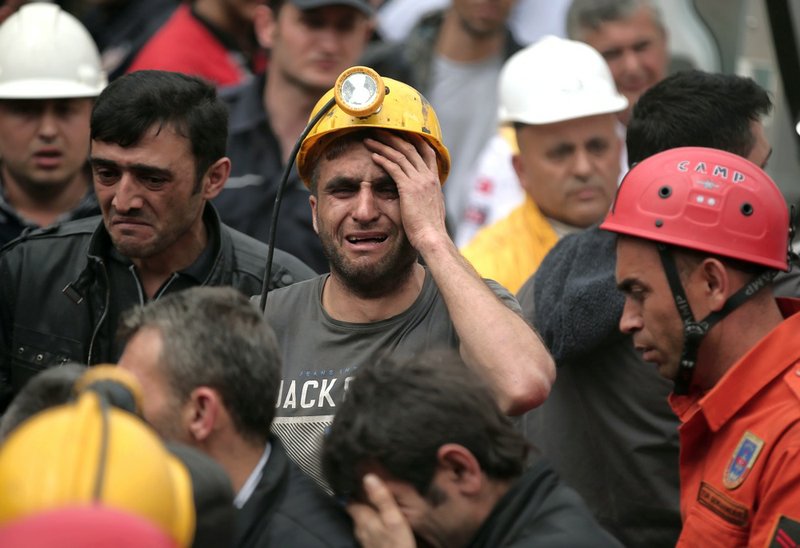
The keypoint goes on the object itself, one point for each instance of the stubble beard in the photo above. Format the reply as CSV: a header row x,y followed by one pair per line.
x,y
373,280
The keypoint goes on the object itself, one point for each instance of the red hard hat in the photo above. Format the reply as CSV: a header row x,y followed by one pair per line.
x,y
704,199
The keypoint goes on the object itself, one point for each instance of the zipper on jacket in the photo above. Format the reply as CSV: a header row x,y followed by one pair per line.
x,y
103,315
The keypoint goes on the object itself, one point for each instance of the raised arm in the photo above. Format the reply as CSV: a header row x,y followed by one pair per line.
x,y
495,340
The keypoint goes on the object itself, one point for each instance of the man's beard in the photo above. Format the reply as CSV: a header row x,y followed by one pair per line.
x,y
376,279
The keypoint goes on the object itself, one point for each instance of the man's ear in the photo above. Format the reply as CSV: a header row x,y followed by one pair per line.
x,y
265,24
457,466
519,168
202,412
312,200
215,178
717,283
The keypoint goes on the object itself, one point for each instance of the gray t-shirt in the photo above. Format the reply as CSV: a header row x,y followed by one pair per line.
x,y
321,355
465,98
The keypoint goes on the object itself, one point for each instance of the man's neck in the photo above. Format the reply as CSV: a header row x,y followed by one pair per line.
x,y
41,204
153,271
455,43
225,20
342,304
236,456
734,336
288,107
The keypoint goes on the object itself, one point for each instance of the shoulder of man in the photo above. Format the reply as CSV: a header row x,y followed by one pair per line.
x,y
251,258
78,230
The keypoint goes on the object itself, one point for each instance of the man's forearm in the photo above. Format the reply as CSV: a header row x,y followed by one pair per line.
x,y
495,340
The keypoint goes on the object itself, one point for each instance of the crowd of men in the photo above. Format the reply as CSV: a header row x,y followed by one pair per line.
x,y
520,295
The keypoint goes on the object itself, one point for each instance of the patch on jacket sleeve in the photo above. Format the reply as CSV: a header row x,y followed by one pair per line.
x,y
726,508
787,534
742,460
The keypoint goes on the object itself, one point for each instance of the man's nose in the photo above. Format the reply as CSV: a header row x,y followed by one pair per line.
x,y
366,209
631,320
127,195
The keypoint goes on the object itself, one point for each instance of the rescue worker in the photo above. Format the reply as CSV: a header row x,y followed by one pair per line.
x,y
700,235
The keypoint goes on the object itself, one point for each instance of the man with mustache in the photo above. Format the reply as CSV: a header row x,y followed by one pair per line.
x,y
158,157
562,102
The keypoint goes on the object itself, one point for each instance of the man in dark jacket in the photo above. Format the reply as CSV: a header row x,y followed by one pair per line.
x,y
309,43
158,156
421,446
215,390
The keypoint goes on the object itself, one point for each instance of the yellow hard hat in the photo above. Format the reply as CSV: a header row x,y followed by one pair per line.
x,y
89,452
365,100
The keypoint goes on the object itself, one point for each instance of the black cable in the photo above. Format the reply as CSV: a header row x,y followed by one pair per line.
x,y
279,197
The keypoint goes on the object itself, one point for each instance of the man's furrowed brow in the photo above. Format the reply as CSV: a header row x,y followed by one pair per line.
x,y
342,181
138,169
101,162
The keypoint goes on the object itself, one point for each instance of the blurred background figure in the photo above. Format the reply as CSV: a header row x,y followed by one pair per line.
x,y
561,100
309,43
631,37
213,39
49,74
121,27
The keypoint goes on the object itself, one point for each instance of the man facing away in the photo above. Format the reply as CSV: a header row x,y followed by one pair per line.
x,y
378,209
421,446
563,105
49,75
209,366
309,43
158,156
700,235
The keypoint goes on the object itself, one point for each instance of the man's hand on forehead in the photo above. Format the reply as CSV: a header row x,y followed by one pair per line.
x,y
411,163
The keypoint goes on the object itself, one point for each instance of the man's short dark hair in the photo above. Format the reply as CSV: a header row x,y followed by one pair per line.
x,y
213,336
696,108
132,104
397,415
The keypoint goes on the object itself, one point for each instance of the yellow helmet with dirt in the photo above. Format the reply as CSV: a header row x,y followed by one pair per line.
x,y
365,100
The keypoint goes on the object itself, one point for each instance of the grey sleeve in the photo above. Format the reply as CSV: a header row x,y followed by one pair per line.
x,y
525,296
505,295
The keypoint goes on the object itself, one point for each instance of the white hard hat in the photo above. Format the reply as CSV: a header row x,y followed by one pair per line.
x,y
555,80
45,53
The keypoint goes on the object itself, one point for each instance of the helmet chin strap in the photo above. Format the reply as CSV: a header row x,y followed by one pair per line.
x,y
694,331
